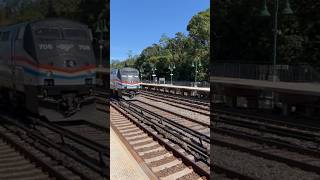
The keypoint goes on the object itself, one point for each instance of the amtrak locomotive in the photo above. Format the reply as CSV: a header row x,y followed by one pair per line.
x,y
125,82
46,60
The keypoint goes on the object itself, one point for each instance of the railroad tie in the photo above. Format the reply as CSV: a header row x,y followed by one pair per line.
x,y
144,146
124,131
132,133
178,174
157,158
150,151
126,127
121,123
136,136
165,166
140,141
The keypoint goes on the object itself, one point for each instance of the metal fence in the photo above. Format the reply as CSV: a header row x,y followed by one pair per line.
x,y
286,73
182,83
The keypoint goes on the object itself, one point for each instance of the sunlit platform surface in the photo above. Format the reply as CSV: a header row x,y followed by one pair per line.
x,y
122,165
286,87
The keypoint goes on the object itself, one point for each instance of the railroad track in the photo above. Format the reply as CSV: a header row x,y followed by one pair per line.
x,y
281,131
272,121
156,144
14,165
223,173
180,104
261,156
194,121
63,153
193,102
28,159
92,132
255,146
198,131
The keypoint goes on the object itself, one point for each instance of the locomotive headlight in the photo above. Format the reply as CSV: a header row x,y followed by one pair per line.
x,y
48,82
49,73
70,63
88,81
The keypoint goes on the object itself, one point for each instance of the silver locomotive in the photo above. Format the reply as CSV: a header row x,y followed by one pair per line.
x,y
50,60
125,82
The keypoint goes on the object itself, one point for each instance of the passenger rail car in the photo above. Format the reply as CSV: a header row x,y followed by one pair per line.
x,y
125,82
46,59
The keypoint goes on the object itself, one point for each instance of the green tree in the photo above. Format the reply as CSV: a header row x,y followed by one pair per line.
x,y
245,36
199,42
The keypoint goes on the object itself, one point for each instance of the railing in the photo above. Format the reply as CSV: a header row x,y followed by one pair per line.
x,y
285,73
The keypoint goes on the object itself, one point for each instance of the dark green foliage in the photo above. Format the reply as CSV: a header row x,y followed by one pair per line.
x,y
85,11
243,36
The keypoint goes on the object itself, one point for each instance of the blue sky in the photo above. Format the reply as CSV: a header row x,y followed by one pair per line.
x,y
136,24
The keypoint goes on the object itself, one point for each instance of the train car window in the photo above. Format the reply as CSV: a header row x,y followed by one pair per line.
x,y
20,33
5,36
90,35
0,36
75,34
51,33
129,72
28,42
118,75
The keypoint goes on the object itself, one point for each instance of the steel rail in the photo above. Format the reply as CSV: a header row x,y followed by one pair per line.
x,y
267,120
178,106
266,128
175,124
175,152
180,97
181,101
230,173
176,114
291,162
41,139
174,134
39,162
261,140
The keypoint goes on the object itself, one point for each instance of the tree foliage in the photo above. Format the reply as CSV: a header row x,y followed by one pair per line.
x,y
244,36
85,11
180,50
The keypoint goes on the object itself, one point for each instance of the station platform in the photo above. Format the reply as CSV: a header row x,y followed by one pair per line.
x,y
122,165
301,88
177,87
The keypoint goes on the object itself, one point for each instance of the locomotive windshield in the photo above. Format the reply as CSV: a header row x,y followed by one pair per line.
x,y
51,33
129,74
59,43
55,33
75,34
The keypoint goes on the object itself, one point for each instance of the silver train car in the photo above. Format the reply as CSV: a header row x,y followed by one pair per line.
x,y
125,82
46,59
